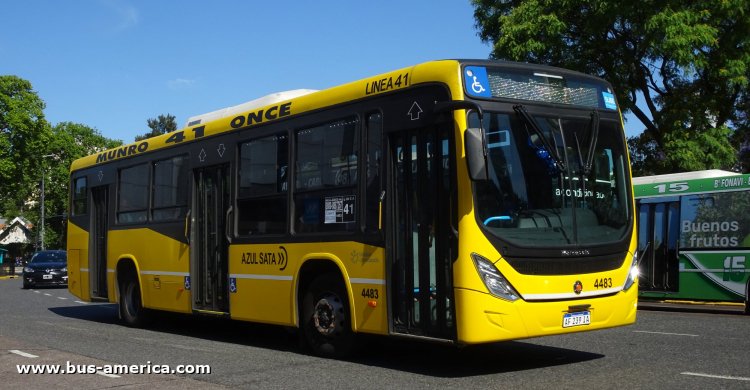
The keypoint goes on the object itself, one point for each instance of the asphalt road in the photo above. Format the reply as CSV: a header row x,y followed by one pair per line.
x,y
664,349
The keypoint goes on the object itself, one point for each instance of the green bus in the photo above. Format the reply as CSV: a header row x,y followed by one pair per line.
x,y
694,236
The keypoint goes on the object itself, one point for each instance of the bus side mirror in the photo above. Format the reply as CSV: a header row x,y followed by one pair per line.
x,y
476,154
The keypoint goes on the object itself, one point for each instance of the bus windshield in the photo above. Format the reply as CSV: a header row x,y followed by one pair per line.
x,y
554,181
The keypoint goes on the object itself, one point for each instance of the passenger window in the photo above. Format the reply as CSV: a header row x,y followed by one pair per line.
x,y
326,162
79,196
170,189
262,200
132,203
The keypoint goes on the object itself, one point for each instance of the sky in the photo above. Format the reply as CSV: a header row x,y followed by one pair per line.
x,y
113,64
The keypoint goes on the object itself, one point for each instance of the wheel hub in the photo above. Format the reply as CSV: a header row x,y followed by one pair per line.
x,y
325,315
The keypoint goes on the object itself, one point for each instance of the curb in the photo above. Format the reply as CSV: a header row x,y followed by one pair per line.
x,y
738,304
692,306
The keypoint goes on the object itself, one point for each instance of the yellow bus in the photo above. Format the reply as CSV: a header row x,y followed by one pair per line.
x,y
459,201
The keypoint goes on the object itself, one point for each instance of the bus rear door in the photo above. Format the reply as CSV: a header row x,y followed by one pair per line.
x,y
209,242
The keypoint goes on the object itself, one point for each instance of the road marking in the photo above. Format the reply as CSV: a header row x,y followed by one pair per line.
x,y
668,334
107,375
61,298
81,302
735,378
49,295
22,353
37,291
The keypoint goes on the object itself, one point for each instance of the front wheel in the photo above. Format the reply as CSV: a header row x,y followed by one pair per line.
x,y
131,308
325,319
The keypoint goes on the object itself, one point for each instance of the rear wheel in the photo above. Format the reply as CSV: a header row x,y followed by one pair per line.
x,y
131,308
325,319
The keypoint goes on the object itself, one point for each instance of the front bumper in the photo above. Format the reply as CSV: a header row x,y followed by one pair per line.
x,y
46,279
489,319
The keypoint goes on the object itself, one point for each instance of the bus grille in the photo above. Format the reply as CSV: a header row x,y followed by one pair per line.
x,y
579,265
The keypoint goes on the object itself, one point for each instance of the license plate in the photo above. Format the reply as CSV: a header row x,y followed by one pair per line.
x,y
576,319
46,276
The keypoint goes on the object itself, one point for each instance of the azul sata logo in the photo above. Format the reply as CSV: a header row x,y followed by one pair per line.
x,y
577,287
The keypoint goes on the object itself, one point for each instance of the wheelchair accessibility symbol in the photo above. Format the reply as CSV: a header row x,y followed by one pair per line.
x,y
476,81
233,285
187,283
476,86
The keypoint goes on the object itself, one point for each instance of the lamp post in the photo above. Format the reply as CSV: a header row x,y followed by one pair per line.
x,y
41,231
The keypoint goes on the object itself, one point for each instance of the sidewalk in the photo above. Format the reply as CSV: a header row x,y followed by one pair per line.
x,y
692,306
4,272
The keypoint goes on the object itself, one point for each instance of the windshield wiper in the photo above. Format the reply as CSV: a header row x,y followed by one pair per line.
x,y
531,123
592,142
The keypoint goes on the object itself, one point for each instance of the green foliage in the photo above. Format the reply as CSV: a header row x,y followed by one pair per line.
x,y
69,141
29,149
683,68
162,125
24,133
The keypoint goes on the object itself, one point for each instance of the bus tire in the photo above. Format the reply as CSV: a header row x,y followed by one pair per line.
x,y
325,319
131,308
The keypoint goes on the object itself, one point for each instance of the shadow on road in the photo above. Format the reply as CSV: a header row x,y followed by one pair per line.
x,y
101,313
437,360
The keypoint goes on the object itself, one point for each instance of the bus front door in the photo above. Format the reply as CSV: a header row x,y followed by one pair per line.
x,y
420,238
98,243
209,242
658,240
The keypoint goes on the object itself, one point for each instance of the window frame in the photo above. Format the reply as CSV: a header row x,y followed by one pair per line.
x,y
78,199
304,196
279,197
119,212
181,208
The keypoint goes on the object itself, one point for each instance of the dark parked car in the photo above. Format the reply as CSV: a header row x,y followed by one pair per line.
x,y
46,268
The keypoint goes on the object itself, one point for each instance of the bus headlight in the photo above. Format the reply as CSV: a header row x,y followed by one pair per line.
x,y
633,274
493,279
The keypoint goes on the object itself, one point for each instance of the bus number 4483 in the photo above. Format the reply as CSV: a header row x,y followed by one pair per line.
x,y
603,283
371,293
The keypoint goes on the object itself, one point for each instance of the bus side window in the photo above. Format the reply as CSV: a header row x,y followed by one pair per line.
x,y
79,196
262,198
132,206
170,189
325,199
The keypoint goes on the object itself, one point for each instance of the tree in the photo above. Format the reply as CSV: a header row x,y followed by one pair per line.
x,y
68,142
31,149
24,133
681,67
161,125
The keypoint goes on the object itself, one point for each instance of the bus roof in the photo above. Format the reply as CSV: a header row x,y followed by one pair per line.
x,y
446,71
707,174
697,182
267,100
291,103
